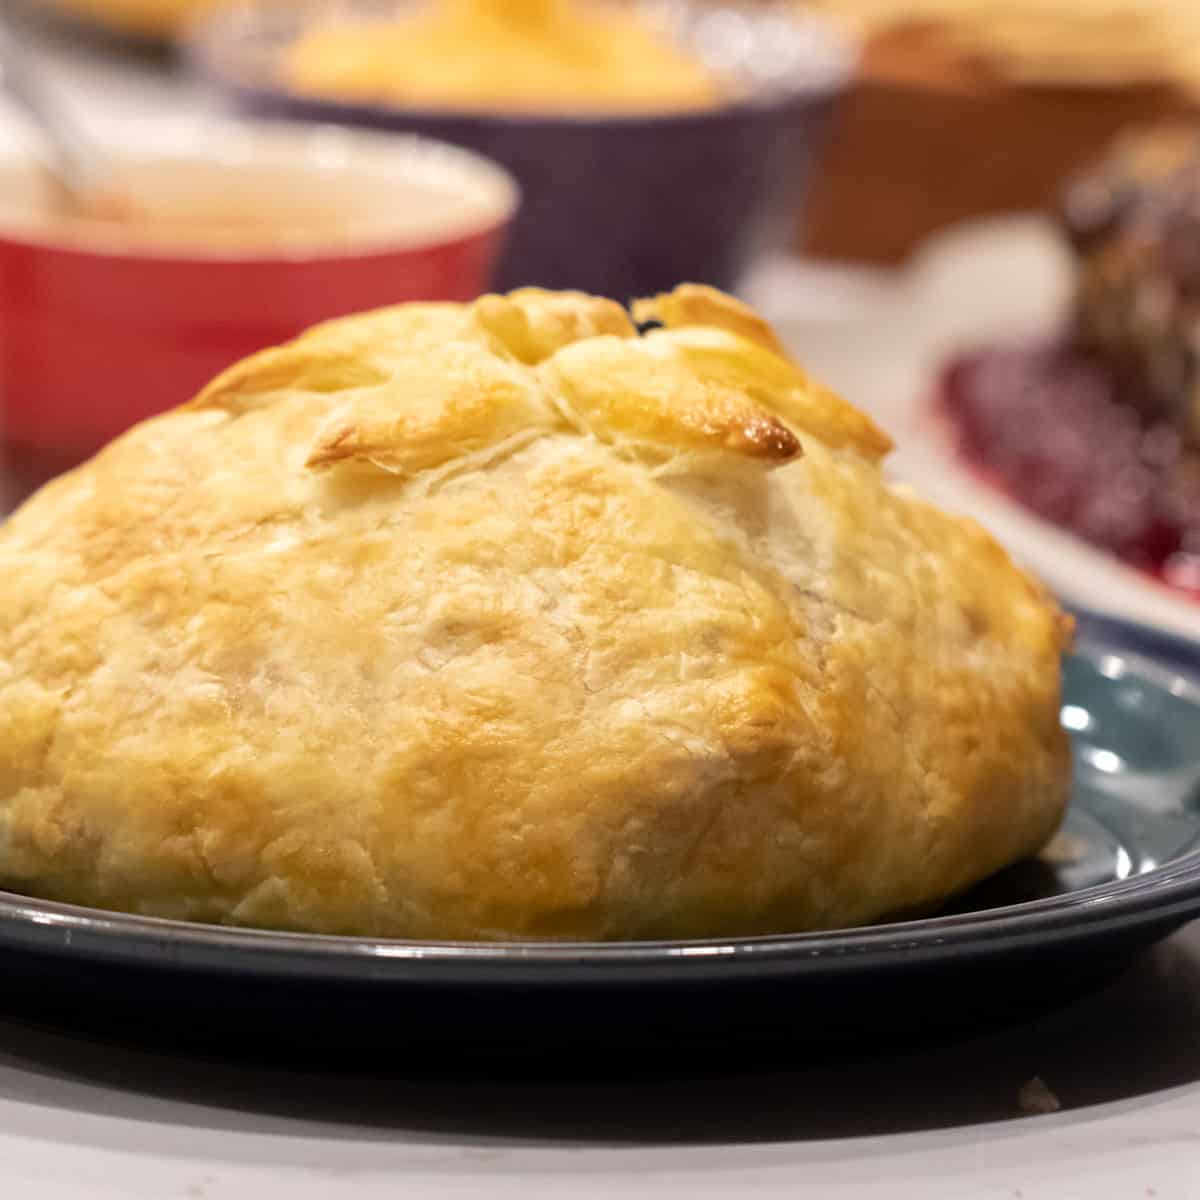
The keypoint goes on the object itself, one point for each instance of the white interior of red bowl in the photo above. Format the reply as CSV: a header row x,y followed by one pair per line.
x,y
214,189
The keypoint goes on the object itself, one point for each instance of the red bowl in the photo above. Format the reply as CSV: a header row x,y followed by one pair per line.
x,y
103,325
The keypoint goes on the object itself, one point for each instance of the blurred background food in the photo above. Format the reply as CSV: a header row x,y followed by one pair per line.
x,y
527,55
971,107
1098,430
1103,42
1134,222
655,142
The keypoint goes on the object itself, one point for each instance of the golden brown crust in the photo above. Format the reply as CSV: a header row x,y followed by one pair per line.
x,y
693,304
498,621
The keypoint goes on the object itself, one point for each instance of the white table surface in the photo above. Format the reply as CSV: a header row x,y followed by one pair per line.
x,y
79,1119
82,1120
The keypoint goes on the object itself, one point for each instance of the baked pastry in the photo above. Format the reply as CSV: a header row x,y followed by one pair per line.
x,y
514,55
503,620
967,108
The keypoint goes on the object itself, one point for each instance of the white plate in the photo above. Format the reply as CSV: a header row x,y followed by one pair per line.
x,y
882,338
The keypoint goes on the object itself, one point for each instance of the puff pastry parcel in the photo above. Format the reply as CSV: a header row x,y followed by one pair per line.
x,y
505,621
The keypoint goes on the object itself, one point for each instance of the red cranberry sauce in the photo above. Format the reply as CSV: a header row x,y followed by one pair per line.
x,y
1052,429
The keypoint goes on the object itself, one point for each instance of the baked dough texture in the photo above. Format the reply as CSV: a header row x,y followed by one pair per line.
x,y
506,621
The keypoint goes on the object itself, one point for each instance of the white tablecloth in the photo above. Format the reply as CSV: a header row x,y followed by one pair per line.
x,y
80,1120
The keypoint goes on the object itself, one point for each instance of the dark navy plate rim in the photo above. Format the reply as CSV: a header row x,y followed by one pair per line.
x,y
1132,639
1166,894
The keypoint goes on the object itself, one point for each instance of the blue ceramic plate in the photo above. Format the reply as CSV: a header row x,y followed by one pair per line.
x,y
1124,872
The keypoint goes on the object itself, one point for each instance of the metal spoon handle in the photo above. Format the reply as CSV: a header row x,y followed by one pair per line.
x,y
76,165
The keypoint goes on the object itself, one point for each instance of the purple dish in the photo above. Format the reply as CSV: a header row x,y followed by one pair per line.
x,y
621,205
